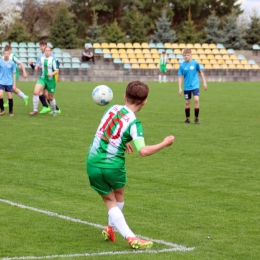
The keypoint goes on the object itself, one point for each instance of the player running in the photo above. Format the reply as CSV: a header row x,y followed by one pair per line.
x,y
106,159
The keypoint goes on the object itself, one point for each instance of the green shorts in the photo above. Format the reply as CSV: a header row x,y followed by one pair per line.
x,y
163,68
50,85
104,180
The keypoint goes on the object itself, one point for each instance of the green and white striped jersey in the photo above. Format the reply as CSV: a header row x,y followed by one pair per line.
x,y
118,126
163,60
48,65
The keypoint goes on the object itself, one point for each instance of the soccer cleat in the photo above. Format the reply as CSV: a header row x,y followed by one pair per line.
x,y
34,113
109,234
2,113
197,121
11,114
6,104
26,100
137,243
187,121
45,110
57,112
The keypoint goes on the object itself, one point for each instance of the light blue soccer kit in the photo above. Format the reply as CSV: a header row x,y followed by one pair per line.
x,y
7,69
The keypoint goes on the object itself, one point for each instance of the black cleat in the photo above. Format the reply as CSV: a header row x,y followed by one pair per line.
x,y
197,121
187,121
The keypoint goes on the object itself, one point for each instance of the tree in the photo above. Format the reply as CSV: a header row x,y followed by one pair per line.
x,y
63,33
18,34
252,32
188,32
164,32
213,34
114,33
94,32
233,37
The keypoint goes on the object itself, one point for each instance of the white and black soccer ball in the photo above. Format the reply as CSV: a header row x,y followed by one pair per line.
x,y
102,95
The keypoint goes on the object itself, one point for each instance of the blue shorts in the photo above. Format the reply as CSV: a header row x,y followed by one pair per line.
x,y
7,88
195,92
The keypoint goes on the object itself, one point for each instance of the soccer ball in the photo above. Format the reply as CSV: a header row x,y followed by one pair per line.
x,y
102,95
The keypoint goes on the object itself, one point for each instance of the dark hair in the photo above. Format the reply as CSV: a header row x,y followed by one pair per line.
x,y
136,92
42,42
7,47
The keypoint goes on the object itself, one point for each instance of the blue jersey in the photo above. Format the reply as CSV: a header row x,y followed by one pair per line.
x,y
7,69
189,71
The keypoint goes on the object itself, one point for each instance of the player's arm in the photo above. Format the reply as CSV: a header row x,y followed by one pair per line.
x,y
180,79
55,69
23,69
145,150
14,79
204,80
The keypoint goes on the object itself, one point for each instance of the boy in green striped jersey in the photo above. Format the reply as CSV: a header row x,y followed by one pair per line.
x,y
17,62
163,63
106,159
46,81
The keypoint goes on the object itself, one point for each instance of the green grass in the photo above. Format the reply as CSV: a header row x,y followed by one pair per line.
x,y
201,192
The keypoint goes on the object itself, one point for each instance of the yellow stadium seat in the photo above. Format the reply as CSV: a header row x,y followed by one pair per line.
x,y
232,66
205,61
197,45
194,51
131,55
96,45
147,55
152,66
123,55
247,67
137,45
125,60
145,45
189,45
216,66
105,51
169,66
213,61
220,61
155,56
205,45
244,62
233,57
195,56
146,51
143,66
132,60
104,45
210,56
130,51
212,46
182,45
215,51
120,45
173,61
207,51
115,55
137,51
225,57
139,56
228,62
198,60
121,50
114,51
154,50
135,66
240,66
149,60
112,45
203,56
177,51
129,45
176,66
235,61
141,60
224,66
208,66
200,51
218,57
223,51
255,66
167,45
175,46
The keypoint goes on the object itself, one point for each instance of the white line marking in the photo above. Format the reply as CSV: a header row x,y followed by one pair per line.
x,y
173,247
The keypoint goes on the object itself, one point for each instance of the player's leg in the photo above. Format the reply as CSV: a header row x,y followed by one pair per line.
x,y
2,110
37,90
43,96
196,106
164,74
51,88
10,99
187,96
18,92
160,76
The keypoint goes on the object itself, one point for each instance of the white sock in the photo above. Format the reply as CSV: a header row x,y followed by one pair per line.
x,y
35,103
160,78
53,105
119,222
21,95
164,78
120,205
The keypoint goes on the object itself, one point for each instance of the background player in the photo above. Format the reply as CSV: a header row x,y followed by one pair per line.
x,y
17,62
162,64
106,158
7,81
188,71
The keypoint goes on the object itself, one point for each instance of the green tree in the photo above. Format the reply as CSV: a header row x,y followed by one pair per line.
x,y
164,32
253,31
114,33
188,32
94,32
213,34
63,33
18,34
233,37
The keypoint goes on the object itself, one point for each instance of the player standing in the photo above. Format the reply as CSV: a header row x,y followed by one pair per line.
x,y
7,81
189,71
163,69
106,158
17,62
46,81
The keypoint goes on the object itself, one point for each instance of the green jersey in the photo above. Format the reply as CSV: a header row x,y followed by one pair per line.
x,y
118,126
48,65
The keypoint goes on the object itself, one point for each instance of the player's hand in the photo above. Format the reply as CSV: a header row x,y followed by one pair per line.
x,y
169,140
50,74
205,86
129,148
25,75
180,91
30,62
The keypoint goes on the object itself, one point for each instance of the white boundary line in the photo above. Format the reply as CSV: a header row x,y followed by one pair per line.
x,y
173,247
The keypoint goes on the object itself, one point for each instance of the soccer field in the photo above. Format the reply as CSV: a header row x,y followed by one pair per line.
x,y
198,199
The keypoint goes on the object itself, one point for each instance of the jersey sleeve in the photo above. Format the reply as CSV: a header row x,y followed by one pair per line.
x,y
198,67
54,64
14,67
136,132
38,61
180,71
16,59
